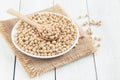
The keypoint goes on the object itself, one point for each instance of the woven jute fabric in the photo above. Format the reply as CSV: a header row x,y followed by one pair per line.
x,y
35,67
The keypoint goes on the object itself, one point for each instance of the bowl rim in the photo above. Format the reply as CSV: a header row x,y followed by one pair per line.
x,y
45,57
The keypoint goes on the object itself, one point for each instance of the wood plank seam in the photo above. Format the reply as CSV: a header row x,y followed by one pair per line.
x,y
14,70
55,68
55,74
96,74
95,67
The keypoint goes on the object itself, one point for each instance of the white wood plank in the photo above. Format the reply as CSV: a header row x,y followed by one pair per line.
x,y
108,55
82,69
28,7
6,54
6,60
21,74
6,4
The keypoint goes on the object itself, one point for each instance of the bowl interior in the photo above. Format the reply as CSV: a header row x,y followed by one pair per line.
x,y
14,31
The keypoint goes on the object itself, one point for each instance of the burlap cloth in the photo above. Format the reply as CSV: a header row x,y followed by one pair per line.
x,y
35,66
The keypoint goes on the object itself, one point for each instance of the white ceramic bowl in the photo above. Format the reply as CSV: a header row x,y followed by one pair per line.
x,y
14,30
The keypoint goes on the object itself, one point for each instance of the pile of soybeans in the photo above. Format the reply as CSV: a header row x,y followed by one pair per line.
x,y
62,32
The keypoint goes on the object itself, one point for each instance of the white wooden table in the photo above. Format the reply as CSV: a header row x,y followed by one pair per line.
x,y
104,65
